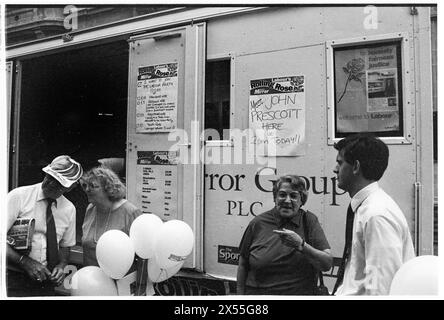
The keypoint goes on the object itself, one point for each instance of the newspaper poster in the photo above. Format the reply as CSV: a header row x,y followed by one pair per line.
x,y
366,89
156,99
21,233
277,116
382,93
157,183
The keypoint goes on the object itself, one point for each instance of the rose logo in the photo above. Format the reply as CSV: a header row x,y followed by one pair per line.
x,y
354,71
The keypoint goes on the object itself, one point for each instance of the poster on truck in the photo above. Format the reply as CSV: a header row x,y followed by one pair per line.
x,y
157,183
382,94
277,116
156,100
367,88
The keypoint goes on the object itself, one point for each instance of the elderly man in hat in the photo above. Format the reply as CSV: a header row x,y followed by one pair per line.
x,y
36,271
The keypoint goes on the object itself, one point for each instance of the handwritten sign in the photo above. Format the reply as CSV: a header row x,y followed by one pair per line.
x,y
156,100
277,116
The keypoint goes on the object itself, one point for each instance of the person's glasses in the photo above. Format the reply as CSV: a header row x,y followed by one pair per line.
x,y
91,186
293,195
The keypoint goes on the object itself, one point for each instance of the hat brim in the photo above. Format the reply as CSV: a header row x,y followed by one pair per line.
x,y
60,178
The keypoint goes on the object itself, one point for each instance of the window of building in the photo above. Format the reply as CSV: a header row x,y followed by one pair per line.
x,y
217,99
367,90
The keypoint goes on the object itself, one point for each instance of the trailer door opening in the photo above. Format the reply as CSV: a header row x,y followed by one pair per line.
x,y
73,103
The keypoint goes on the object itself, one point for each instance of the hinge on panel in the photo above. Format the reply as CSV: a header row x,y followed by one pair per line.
x,y
17,68
413,11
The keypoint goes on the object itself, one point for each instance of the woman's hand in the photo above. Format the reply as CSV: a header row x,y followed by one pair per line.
x,y
290,238
321,260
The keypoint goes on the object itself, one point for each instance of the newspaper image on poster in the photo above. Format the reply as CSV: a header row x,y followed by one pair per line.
x,y
157,183
156,100
367,94
277,116
382,91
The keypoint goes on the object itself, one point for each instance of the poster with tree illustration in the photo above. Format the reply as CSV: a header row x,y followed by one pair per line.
x,y
367,89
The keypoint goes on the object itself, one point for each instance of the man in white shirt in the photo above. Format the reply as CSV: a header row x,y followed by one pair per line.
x,y
379,237
36,272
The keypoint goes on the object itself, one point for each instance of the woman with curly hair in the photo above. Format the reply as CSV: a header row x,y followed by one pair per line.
x,y
108,209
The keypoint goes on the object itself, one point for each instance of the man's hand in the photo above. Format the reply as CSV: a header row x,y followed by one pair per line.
x,y
58,274
35,269
290,238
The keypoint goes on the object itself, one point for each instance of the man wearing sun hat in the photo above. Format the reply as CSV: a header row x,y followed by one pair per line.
x,y
38,271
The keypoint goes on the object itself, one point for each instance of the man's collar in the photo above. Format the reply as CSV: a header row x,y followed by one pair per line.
x,y
362,194
296,220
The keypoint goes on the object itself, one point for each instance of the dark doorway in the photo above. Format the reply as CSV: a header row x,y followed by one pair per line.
x,y
73,103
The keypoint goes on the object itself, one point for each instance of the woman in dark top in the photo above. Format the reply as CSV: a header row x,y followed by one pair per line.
x,y
275,259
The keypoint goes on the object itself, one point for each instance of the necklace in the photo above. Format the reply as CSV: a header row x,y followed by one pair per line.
x,y
95,225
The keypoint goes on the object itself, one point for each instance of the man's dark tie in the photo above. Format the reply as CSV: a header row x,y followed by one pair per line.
x,y
52,251
347,247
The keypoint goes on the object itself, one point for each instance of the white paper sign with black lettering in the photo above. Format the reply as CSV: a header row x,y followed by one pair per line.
x,y
156,100
277,116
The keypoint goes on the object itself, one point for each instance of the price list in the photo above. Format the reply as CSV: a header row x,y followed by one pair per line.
x,y
157,178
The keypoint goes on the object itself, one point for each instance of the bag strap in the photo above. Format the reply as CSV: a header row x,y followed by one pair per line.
x,y
305,226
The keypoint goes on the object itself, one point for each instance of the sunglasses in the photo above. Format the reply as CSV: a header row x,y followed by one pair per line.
x,y
53,183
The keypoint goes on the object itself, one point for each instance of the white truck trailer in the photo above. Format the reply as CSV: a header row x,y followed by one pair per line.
x,y
147,90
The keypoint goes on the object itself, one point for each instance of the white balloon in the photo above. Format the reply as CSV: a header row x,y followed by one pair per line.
x,y
142,234
173,243
115,253
418,276
158,274
92,281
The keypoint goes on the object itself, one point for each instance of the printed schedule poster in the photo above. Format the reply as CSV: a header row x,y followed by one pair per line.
x,y
156,100
277,116
157,183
